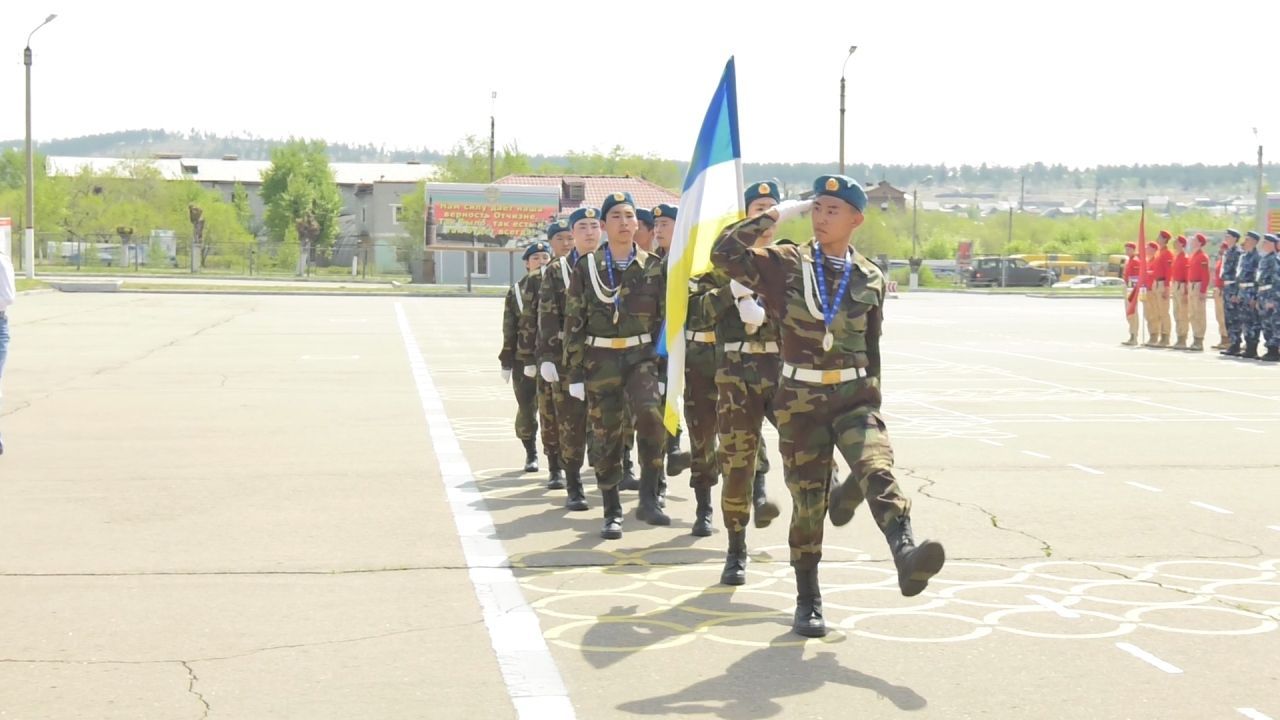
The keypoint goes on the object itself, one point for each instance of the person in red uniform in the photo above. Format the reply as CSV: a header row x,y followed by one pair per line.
x,y
1178,288
1131,274
1148,294
1219,309
1160,269
1197,291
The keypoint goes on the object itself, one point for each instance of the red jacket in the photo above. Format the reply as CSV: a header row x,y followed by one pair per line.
x,y
1217,271
1131,269
1198,271
1164,259
1178,273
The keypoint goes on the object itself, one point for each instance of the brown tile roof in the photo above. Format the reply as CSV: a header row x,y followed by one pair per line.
x,y
597,187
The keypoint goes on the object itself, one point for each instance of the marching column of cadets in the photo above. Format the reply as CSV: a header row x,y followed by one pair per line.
x,y
776,331
1246,298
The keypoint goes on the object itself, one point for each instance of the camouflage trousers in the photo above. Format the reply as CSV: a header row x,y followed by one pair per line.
x,y
571,419
614,387
526,391
1250,318
747,384
1269,314
1231,308
700,397
547,418
813,422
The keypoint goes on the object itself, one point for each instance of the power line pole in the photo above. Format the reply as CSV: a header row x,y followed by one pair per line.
x,y
493,97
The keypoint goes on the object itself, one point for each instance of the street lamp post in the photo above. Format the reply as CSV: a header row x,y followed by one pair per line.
x,y
843,67
915,262
29,233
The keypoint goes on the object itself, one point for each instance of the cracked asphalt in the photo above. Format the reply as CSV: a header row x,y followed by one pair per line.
x,y
232,507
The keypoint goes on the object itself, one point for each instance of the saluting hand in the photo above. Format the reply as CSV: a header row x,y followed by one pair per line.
x,y
788,209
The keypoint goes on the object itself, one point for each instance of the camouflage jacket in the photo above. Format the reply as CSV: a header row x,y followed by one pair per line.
x,y
1229,260
551,305
511,308
642,288
527,323
1247,270
1269,274
784,276
712,307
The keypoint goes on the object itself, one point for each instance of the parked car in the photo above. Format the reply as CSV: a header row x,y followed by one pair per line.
x,y
1088,282
1008,272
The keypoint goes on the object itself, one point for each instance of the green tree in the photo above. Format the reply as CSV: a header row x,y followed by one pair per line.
x,y
300,194
468,162
244,212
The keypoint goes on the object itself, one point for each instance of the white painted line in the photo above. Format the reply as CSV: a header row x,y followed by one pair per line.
x,y
1060,610
1148,658
1212,508
1034,454
1252,714
533,682
329,357
991,442
1250,430
1140,486
1085,468
1274,527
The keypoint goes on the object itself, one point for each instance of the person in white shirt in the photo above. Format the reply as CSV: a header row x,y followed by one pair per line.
x,y
8,292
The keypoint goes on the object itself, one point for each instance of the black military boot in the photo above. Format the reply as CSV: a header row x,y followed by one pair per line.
x,y
530,455
916,564
648,510
735,561
555,476
612,529
702,516
629,481
808,620
764,510
1233,349
576,500
1273,354
1250,350
677,461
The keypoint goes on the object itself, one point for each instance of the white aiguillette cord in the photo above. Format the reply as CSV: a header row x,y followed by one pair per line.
x,y
606,294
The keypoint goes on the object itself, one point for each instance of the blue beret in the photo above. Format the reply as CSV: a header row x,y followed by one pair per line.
x,y
1233,233
1253,234
843,187
535,248
557,226
617,198
765,189
645,216
583,213
666,211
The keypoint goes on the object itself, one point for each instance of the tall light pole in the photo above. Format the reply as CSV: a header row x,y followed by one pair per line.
x,y
493,100
1260,211
914,262
29,234
852,49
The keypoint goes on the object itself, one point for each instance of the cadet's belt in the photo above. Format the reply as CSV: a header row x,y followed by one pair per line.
x,y
1261,288
1228,282
621,343
1246,285
702,337
822,377
754,348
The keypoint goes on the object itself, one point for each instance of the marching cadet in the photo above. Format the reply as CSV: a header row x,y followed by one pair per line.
x,y
559,241
664,229
526,388
1150,308
1219,313
746,380
1231,291
571,412
1247,294
1160,292
827,300
1268,296
1178,290
1197,291
614,312
644,231
1132,279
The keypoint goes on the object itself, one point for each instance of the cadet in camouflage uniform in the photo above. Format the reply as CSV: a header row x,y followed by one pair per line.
x,y
701,394
1247,294
1231,292
559,241
614,312
1269,296
664,228
526,388
571,412
827,300
746,380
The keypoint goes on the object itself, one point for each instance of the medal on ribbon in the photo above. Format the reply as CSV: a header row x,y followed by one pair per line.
x,y
830,305
617,294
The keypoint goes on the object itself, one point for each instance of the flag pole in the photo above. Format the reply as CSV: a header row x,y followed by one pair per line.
x,y
1142,276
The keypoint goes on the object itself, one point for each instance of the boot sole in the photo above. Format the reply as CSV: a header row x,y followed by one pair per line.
x,y
572,507
700,531
929,559
555,486
764,514
809,632
657,520
611,534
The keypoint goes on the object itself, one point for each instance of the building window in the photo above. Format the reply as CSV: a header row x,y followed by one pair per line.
x,y
479,265
396,212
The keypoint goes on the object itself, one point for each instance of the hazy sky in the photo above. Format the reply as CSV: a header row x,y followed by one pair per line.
x,y
1081,83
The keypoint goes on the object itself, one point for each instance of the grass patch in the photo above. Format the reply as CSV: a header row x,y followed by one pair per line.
x,y
25,284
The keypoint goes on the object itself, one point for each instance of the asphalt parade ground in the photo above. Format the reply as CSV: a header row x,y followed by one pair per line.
x,y
310,507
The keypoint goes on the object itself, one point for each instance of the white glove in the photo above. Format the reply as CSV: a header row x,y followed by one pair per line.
x,y
549,372
662,388
530,370
506,375
738,289
578,390
750,312
788,209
